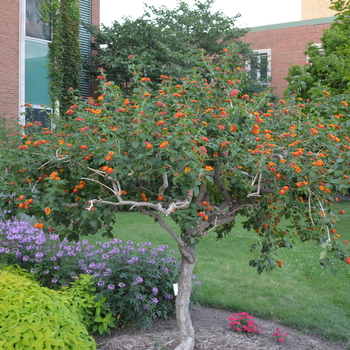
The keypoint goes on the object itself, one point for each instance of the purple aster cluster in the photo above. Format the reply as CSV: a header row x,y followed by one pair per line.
x,y
135,278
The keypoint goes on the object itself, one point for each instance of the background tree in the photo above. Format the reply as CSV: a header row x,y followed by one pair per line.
x,y
199,152
168,42
328,67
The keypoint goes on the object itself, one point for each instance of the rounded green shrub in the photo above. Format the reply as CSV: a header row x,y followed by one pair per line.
x,y
34,317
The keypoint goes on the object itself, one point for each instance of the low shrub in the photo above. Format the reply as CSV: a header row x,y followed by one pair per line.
x,y
93,311
34,317
134,282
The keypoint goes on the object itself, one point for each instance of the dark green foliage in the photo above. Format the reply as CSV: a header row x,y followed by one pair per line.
x,y
93,311
65,63
167,42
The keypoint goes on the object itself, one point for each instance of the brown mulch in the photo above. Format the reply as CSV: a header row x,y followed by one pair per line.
x,y
211,333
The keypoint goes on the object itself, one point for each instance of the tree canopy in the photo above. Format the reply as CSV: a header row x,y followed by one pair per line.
x,y
200,152
167,41
329,65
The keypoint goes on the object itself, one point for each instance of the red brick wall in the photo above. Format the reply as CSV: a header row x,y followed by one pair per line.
x,y
287,47
9,59
95,12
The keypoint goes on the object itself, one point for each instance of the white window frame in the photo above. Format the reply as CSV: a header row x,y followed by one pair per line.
x,y
259,54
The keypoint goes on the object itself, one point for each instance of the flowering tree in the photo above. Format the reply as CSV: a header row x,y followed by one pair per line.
x,y
199,152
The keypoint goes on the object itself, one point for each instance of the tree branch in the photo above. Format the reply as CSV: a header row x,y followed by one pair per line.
x,y
163,224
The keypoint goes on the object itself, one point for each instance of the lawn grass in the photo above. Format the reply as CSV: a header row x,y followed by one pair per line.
x,y
300,294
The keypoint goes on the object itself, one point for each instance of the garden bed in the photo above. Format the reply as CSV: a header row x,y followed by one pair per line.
x,y
211,333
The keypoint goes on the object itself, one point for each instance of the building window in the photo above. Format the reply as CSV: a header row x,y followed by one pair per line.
x,y
35,26
38,114
320,50
260,66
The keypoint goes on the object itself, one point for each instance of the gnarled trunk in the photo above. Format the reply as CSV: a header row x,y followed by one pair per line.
x,y
183,317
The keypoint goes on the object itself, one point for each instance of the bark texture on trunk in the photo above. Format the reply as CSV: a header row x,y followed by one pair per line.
x,y
183,316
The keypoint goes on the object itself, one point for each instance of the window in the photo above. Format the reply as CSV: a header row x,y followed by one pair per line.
x,y
260,66
320,50
35,26
36,81
38,114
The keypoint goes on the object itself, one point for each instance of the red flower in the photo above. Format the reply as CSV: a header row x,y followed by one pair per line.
x,y
164,144
347,260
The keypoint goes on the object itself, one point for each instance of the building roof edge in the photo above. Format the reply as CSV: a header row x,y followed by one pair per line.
x,y
307,22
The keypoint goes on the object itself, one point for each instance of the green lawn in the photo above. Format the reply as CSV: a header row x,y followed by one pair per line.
x,y
300,294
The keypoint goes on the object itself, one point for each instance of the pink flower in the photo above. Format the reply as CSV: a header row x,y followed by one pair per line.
x,y
234,93
281,340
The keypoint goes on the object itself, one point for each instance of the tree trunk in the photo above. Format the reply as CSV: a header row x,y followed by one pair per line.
x,y
183,317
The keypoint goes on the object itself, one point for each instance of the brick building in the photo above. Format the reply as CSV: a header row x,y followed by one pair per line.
x,y
23,53
282,45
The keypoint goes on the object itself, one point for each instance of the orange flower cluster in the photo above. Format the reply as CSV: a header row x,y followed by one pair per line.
x,y
54,175
143,197
319,162
203,214
47,210
279,262
25,204
148,145
164,144
107,169
256,129
284,190
336,139
299,152
39,225
79,187
301,183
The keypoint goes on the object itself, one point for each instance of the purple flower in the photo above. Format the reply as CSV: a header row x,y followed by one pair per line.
x,y
155,291
54,280
53,258
56,267
39,255
100,283
169,296
121,285
139,296
154,301
138,280
146,307
111,287
25,258
198,283
165,269
152,261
